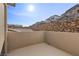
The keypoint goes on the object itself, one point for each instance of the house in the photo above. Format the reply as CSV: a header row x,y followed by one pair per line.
x,y
14,26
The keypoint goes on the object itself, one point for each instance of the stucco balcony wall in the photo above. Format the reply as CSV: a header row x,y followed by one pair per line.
x,y
28,43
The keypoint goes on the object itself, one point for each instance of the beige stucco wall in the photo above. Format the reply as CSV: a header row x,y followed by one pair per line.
x,y
64,40
22,39
1,26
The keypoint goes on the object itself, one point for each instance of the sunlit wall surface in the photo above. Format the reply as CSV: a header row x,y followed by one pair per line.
x,y
1,26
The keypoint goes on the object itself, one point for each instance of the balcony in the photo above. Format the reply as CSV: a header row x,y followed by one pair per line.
x,y
42,43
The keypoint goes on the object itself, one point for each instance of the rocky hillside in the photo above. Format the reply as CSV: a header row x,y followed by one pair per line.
x,y
62,26
67,22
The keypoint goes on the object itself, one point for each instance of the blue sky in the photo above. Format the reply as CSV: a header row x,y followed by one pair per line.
x,y
30,13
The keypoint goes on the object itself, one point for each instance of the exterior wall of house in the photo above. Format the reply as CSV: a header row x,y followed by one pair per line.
x,y
1,26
